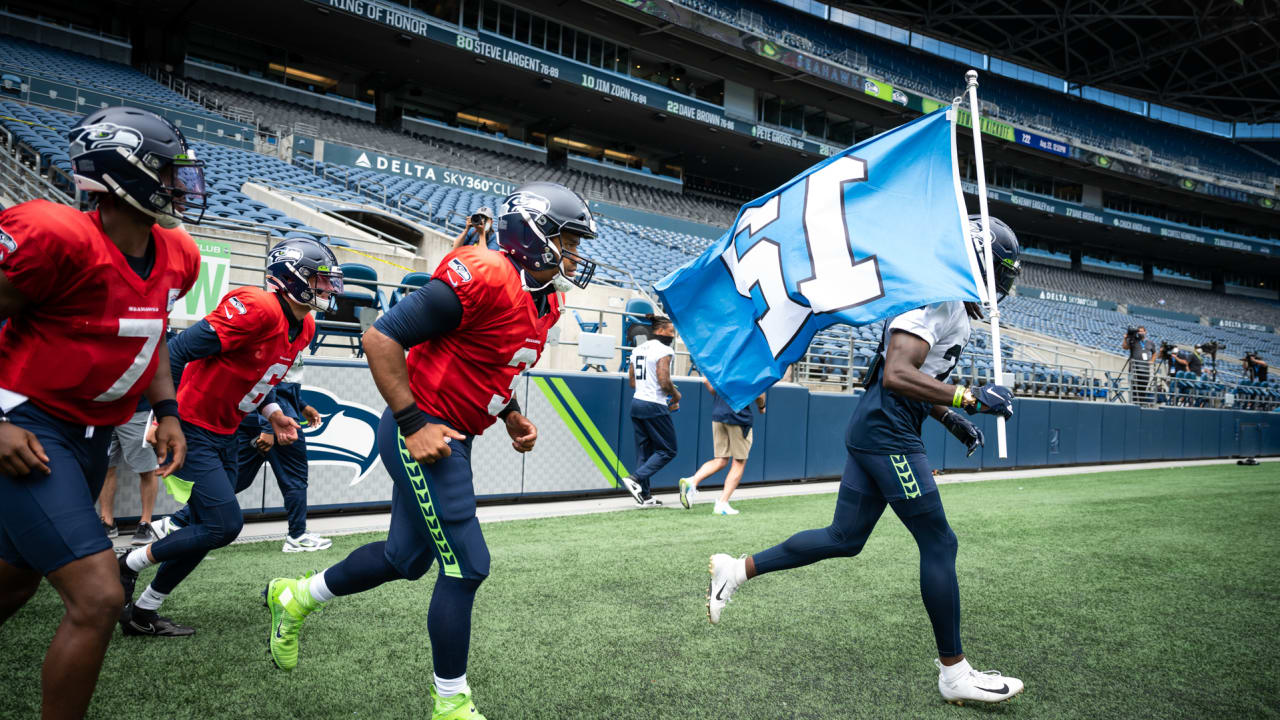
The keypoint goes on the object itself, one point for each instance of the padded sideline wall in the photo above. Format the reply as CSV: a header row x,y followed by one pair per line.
x,y
586,442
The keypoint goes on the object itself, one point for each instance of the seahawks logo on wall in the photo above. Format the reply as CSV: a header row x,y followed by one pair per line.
x,y
104,135
347,434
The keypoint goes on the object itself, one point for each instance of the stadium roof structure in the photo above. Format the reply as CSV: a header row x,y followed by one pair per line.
x,y
1219,58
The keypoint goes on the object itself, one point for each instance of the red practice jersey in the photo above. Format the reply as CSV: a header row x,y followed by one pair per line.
x,y
85,348
218,391
465,376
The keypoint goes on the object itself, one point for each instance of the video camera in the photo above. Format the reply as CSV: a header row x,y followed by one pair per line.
x,y
1131,333
1212,347
1166,348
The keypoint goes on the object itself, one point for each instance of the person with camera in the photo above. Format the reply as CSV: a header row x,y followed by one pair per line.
x,y
1180,360
1141,351
1255,368
479,230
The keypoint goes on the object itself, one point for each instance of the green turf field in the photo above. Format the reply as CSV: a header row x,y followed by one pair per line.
x,y
1141,594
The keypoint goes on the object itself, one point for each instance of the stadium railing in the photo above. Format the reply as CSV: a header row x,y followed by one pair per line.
x,y
22,181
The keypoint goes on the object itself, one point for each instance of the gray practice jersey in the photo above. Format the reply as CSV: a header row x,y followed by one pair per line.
x,y
885,422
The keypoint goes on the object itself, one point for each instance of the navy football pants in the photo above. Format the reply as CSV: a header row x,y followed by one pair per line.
x,y
870,482
47,521
655,446
288,464
433,520
214,514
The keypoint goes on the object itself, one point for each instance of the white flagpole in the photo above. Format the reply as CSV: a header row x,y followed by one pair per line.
x,y
997,365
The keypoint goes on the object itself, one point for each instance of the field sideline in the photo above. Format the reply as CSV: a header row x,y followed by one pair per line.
x,y
1146,593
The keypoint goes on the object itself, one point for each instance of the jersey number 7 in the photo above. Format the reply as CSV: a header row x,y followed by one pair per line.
x,y
151,330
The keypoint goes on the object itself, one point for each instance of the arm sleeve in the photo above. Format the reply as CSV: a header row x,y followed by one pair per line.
x,y
195,342
430,311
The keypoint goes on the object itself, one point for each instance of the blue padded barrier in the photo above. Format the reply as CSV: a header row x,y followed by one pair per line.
x,y
784,437
828,417
1063,429
1132,425
1032,437
1088,435
990,452
1113,432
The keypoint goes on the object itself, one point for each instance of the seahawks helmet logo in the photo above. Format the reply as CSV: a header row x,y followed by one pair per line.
x,y
525,201
104,135
284,253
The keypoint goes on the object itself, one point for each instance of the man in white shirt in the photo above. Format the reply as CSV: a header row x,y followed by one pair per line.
x,y
654,398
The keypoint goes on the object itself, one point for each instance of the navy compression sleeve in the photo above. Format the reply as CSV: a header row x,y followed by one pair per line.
x,y
195,342
430,311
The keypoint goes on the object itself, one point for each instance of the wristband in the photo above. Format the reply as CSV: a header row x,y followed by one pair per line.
x,y
957,399
165,408
410,420
269,409
511,407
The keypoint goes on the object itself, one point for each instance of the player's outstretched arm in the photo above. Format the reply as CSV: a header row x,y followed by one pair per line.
x,y
170,443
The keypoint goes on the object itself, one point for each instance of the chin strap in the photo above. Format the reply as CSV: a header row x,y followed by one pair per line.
x,y
528,286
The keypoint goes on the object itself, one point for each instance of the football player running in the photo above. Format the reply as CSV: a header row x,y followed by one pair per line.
x,y
87,297
887,465
226,366
481,320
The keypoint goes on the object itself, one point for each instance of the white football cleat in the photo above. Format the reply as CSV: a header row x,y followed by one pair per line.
x,y
634,488
651,502
973,686
723,508
724,581
164,527
307,542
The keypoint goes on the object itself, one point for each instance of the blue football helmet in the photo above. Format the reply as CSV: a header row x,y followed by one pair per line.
x,y
530,218
1005,251
140,158
307,271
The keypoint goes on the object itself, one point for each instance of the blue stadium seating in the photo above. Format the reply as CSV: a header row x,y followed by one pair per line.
x,y
1018,102
90,72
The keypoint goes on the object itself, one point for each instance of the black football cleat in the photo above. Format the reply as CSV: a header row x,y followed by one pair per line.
x,y
128,578
137,621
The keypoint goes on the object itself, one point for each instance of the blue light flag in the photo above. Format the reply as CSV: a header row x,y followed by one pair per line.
x,y
869,233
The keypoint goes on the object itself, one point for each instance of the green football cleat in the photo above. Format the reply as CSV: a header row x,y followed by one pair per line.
x,y
290,604
456,707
